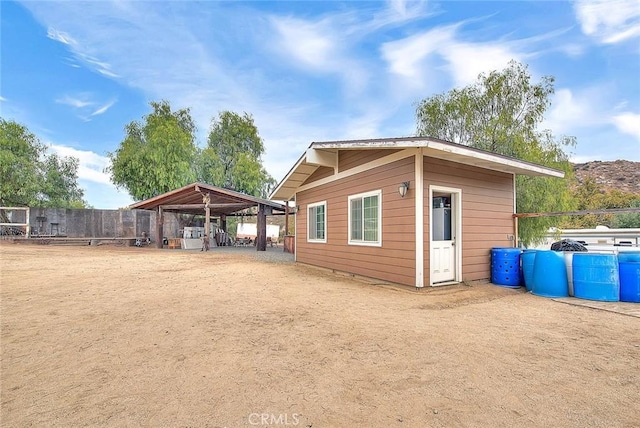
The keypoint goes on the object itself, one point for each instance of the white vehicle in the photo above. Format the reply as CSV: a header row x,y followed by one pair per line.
x,y
249,231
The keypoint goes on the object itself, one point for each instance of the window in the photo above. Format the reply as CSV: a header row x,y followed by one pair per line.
x,y
365,216
317,222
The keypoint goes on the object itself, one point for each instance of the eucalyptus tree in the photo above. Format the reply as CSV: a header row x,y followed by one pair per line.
x,y
233,156
502,112
157,155
33,177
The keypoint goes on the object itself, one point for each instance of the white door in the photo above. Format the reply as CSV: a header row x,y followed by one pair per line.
x,y
444,221
442,261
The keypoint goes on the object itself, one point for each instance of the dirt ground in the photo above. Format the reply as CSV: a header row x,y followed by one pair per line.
x,y
112,336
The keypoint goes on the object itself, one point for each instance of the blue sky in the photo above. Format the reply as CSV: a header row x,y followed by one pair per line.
x,y
75,73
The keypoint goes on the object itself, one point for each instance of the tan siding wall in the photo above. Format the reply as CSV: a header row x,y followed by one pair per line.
x,y
487,208
348,159
394,261
321,172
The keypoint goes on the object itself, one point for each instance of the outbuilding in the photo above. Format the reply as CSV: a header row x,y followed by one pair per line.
x,y
414,211
211,201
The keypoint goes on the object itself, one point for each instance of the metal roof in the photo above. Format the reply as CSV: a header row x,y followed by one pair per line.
x,y
431,147
222,201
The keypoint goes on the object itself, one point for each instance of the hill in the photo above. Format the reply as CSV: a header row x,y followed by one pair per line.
x,y
622,175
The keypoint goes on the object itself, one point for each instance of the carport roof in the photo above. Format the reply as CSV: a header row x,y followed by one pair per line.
x,y
189,199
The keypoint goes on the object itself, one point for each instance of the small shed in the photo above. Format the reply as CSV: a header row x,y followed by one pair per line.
x,y
414,211
211,201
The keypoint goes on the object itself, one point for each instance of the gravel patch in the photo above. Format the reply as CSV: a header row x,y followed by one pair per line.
x,y
271,255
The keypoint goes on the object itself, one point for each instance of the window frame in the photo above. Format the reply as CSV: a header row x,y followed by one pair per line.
x,y
309,207
363,242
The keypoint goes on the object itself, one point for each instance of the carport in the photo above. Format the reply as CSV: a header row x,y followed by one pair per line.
x,y
211,201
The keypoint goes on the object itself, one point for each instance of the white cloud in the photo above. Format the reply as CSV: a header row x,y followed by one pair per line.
x,y
64,38
311,44
100,66
149,48
398,6
75,102
104,108
2,98
601,132
85,105
406,57
588,108
366,124
609,21
397,12
330,44
628,123
320,47
468,60
572,110
91,165
573,50
416,58
60,36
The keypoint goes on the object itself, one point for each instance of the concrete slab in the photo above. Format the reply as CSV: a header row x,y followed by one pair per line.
x,y
624,308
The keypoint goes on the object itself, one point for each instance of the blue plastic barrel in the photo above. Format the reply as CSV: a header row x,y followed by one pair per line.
x,y
505,267
550,274
568,261
629,256
528,258
629,281
596,277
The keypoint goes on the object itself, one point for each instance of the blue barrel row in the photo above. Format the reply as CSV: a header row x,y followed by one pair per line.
x,y
603,277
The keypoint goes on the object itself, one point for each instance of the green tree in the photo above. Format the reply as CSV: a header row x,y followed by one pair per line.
x,y
232,158
30,176
20,153
589,195
60,186
501,113
628,220
157,154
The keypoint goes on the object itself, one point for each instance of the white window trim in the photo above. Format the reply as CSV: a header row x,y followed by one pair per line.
x,y
377,243
309,206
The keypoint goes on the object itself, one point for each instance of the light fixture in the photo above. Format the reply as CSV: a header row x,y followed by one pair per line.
x,y
402,189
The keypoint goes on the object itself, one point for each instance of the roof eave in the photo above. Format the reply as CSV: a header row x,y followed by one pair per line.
x,y
151,203
433,147
283,192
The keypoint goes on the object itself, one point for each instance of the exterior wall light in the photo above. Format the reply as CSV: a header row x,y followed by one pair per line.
x,y
403,188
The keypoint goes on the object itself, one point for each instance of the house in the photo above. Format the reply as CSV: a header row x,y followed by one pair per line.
x,y
414,211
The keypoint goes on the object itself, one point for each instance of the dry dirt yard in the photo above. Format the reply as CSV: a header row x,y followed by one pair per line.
x,y
114,336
